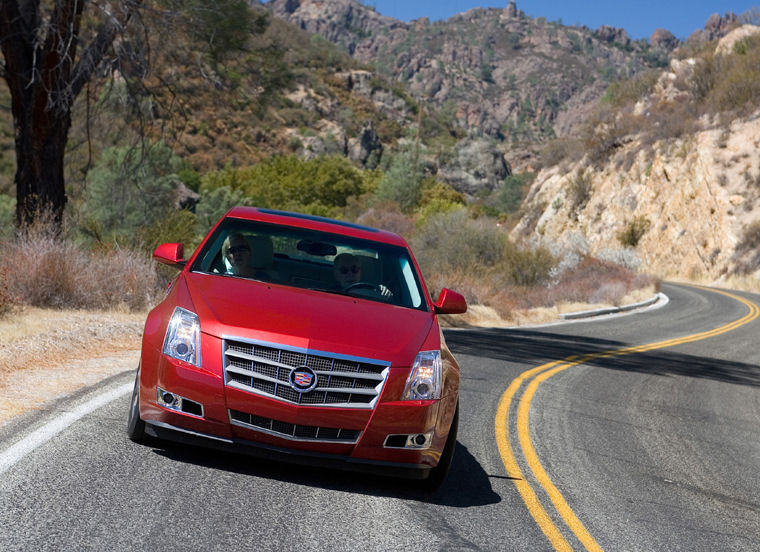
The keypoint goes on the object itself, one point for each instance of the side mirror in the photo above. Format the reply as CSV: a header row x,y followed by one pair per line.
x,y
171,254
450,302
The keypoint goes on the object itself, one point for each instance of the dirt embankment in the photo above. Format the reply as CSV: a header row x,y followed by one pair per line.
x,y
48,354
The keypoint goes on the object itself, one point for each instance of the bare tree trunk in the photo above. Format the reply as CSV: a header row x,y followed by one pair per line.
x,y
39,179
39,51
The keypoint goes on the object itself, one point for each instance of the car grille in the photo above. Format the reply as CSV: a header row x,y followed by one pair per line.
x,y
294,432
264,369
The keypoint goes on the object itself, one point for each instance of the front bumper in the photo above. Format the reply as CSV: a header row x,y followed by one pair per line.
x,y
239,421
236,445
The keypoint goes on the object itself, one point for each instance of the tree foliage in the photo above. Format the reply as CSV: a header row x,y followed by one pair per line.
x,y
130,189
402,182
51,50
317,186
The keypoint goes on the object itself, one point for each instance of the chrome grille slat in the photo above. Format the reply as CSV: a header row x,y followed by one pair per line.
x,y
294,432
264,369
254,358
375,377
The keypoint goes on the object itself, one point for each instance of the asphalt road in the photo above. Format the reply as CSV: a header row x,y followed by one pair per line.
x,y
651,450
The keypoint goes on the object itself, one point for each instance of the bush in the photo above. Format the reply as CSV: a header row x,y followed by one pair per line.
x,y
579,192
7,301
288,182
50,272
7,216
128,190
402,182
737,82
560,149
634,230
747,255
454,241
527,267
387,217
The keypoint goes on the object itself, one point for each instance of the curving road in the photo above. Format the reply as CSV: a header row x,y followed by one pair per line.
x,y
620,445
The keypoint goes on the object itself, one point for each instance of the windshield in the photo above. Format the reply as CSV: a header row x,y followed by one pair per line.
x,y
321,261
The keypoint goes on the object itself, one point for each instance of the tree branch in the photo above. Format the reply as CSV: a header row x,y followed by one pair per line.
x,y
93,54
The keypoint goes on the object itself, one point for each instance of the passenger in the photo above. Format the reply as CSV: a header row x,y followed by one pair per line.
x,y
252,257
237,253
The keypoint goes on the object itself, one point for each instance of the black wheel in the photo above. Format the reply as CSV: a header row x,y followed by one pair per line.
x,y
438,474
135,425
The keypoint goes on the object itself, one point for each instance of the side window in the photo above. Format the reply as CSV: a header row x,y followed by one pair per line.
x,y
411,283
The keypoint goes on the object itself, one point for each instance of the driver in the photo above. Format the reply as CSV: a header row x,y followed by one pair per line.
x,y
347,271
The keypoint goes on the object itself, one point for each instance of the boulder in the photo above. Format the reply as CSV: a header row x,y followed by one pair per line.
x,y
366,148
663,39
477,164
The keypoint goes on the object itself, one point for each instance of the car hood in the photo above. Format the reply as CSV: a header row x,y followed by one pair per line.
x,y
232,307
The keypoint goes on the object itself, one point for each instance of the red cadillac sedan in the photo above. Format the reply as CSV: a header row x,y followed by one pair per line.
x,y
304,339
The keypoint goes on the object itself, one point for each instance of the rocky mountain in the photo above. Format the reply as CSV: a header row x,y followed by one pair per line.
x,y
500,73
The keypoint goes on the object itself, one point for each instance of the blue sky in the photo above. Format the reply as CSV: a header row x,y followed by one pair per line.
x,y
638,18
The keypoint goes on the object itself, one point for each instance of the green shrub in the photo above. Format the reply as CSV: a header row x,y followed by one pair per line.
x,y
177,226
509,195
128,190
625,92
634,230
288,182
7,216
402,182
436,191
222,26
214,202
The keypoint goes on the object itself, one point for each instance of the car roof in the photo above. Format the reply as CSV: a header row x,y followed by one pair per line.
x,y
313,222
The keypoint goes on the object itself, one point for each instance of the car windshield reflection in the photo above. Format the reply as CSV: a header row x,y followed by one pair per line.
x,y
308,259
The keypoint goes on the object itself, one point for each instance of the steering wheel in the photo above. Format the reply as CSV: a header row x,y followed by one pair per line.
x,y
363,285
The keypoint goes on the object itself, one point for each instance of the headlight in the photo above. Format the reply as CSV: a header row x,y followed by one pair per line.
x,y
183,337
424,381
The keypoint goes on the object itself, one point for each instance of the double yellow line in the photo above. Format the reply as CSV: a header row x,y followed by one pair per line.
x,y
534,377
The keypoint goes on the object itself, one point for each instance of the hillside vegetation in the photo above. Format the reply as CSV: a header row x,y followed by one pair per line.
x,y
286,119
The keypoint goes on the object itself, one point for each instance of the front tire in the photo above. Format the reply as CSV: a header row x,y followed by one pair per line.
x,y
438,474
135,424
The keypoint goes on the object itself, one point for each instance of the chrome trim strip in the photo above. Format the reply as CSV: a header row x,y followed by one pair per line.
x,y
355,375
317,352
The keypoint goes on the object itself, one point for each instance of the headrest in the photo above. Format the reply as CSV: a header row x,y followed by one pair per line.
x,y
262,251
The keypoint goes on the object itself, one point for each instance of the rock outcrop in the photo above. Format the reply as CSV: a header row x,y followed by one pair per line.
x,y
477,164
663,39
716,26
685,208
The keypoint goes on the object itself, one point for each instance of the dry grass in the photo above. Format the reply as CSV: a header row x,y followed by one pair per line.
x,y
486,317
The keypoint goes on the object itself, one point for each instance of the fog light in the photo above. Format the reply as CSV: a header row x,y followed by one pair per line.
x,y
167,398
415,441
170,401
